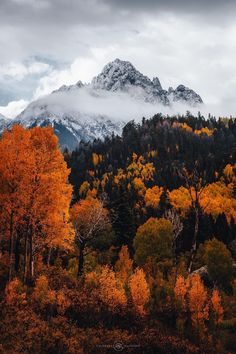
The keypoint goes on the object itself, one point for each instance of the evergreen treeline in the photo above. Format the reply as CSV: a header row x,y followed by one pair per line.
x,y
170,144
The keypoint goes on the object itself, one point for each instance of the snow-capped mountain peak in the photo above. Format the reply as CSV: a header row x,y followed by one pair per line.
x,y
85,112
119,75
122,76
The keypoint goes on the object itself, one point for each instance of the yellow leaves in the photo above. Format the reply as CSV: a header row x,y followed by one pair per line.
x,y
84,189
139,290
153,153
205,131
215,198
138,168
218,198
217,307
152,197
119,176
180,199
202,131
184,126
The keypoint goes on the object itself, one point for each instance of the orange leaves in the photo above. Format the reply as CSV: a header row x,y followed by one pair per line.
x,y
180,291
35,193
198,302
14,292
139,186
184,126
152,196
191,295
230,172
124,265
139,291
96,159
110,290
202,131
217,307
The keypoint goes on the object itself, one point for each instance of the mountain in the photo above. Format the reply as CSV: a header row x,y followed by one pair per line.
x,y
4,122
89,111
122,76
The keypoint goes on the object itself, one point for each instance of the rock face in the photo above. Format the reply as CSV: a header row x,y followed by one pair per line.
x,y
73,121
122,76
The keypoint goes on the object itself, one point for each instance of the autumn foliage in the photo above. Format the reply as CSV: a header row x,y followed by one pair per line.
x,y
128,242
35,196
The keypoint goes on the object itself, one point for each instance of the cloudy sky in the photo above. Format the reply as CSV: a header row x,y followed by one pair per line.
x,y
47,43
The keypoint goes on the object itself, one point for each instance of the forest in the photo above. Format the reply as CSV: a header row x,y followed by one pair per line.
x,y
123,245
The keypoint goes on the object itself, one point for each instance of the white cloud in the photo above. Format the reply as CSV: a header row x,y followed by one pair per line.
x,y
18,71
175,41
82,68
13,108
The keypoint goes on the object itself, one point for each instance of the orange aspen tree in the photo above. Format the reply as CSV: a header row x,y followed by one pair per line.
x,y
35,193
153,196
15,164
124,265
139,290
218,311
180,291
111,291
50,195
198,303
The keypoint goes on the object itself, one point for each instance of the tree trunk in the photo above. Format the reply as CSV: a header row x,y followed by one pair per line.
x,y
49,256
11,247
26,257
31,268
81,259
17,254
194,246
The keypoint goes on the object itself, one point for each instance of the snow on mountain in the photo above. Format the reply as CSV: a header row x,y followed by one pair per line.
x,y
3,122
118,94
122,76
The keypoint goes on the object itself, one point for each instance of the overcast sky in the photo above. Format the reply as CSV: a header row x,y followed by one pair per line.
x,y
47,43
